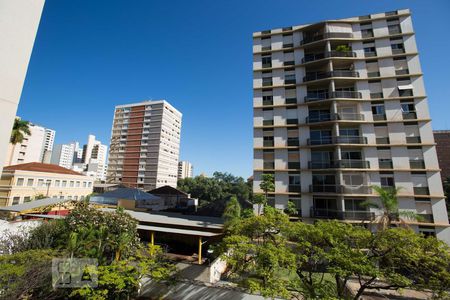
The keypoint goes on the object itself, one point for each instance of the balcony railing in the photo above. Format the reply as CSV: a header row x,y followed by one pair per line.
x,y
318,56
370,53
311,96
293,142
353,164
334,117
409,115
373,74
426,218
267,122
323,75
269,165
413,140
402,72
417,164
295,188
293,165
357,189
344,164
423,190
385,164
342,215
380,117
325,188
338,140
382,140
376,95
327,35
268,143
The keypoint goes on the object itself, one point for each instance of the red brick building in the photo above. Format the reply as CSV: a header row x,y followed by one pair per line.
x,y
442,139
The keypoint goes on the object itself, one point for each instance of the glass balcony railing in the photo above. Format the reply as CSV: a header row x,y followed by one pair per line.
x,y
385,164
409,115
413,140
321,165
338,140
423,190
294,188
341,214
353,164
327,35
328,54
325,188
417,164
324,75
312,96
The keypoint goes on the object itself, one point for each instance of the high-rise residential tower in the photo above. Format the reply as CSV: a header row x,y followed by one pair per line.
x,y
18,28
145,145
340,106
185,170
62,155
33,147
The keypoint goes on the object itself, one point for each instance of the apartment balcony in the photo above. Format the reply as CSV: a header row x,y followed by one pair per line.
x,y
325,188
398,51
293,165
357,189
293,142
269,165
311,97
341,214
385,164
334,117
423,190
327,35
328,54
324,75
426,218
380,117
409,115
370,53
376,95
382,140
267,122
417,164
402,72
294,188
413,140
267,102
268,143
291,121
291,100
338,140
373,74
340,164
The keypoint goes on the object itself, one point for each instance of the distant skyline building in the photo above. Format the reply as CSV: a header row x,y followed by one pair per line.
x,y
185,170
145,145
62,155
442,139
340,106
33,147
18,28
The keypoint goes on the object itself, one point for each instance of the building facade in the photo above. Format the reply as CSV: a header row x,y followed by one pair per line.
x,y
442,138
145,143
340,106
185,170
26,182
18,28
62,155
33,147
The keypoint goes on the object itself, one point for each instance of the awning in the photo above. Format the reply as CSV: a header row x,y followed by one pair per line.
x,y
33,204
405,87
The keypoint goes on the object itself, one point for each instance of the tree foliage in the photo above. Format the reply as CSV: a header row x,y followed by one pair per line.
x,y
276,257
213,192
110,237
19,130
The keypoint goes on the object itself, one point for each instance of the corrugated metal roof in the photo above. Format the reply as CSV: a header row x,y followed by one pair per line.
x,y
175,219
177,231
129,193
33,204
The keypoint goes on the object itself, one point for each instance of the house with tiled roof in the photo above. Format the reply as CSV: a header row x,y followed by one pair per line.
x,y
31,181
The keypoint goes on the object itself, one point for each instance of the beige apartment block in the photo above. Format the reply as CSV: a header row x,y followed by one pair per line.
x,y
145,145
23,183
340,106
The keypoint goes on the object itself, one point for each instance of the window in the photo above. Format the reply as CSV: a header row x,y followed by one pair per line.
x,y
378,111
78,184
401,65
72,183
89,184
30,182
64,184
387,181
266,61
69,197
40,182
27,199
375,88
57,183
355,205
16,200
20,181
373,69
84,183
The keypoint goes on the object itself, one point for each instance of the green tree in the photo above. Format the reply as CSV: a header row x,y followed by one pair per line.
x,y
291,208
232,212
19,130
267,184
389,207
260,200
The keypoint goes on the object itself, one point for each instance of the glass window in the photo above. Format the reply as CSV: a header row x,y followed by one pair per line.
x,y
387,181
57,183
64,184
72,183
78,184
20,181
27,199
40,182
30,182
16,200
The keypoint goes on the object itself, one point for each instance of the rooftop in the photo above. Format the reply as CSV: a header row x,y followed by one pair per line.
x,y
40,167
32,205
167,190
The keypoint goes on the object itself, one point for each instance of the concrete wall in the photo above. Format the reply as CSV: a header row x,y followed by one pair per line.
x,y
19,21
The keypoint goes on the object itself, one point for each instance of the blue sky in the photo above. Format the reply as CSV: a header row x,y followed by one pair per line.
x,y
92,55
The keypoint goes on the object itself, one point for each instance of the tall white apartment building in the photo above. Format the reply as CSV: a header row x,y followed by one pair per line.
x,y
18,28
185,170
94,158
145,145
62,155
340,106
33,146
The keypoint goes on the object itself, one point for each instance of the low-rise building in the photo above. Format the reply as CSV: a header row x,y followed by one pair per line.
x,y
26,182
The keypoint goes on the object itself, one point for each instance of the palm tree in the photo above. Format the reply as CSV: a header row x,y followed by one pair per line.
x,y
389,208
19,130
